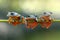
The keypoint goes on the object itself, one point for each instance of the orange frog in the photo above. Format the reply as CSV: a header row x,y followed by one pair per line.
x,y
15,18
46,20
31,22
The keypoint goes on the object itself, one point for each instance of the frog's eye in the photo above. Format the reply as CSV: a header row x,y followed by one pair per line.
x,y
44,12
50,12
35,15
28,16
12,13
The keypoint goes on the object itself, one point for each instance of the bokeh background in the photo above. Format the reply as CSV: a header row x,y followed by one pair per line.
x,y
25,8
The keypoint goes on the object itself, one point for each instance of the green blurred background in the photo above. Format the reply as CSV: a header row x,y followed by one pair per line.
x,y
25,8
